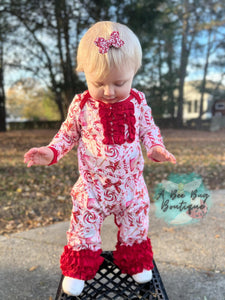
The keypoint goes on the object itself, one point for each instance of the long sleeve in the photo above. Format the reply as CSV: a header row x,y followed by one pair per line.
x,y
149,133
69,132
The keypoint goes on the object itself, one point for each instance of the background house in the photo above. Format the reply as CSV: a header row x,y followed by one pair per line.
x,y
192,100
213,100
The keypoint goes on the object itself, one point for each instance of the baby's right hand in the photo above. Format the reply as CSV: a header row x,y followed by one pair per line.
x,y
42,156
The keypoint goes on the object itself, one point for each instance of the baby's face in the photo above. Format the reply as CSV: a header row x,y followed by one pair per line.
x,y
113,88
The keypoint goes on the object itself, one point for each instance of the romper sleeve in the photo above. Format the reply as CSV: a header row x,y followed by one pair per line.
x,y
149,133
69,133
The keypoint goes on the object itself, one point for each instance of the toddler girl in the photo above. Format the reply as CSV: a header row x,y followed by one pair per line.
x,y
107,123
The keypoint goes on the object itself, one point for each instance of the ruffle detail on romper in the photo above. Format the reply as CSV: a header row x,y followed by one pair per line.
x,y
134,259
83,264
114,117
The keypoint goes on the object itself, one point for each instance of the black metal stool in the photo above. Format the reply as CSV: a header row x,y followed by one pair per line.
x,y
110,284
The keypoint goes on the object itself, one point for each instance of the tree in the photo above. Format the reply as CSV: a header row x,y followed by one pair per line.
x,y
166,36
205,71
209,38
168,30
213,27
2,90
52,30
50,44
188,23
148,20
27,98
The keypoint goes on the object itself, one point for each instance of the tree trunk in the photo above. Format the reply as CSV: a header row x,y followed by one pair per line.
x,y
183,67
2,94
171,79
161,84
185,52
209,46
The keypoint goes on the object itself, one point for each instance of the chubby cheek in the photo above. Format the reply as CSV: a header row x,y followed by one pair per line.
x,y
95,93
123,93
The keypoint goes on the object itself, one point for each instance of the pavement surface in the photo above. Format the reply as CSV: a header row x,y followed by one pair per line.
x,y
190,259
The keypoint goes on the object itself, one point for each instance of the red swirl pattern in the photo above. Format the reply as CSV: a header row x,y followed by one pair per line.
x,y
110,166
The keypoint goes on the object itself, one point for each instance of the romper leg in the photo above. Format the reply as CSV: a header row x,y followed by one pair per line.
x,y
83,264
133,251
134,259
81,257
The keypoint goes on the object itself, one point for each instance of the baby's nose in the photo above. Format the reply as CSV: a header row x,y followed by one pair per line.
x,y
108,90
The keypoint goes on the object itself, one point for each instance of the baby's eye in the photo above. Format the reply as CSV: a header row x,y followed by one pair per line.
x,y
119,83
98,84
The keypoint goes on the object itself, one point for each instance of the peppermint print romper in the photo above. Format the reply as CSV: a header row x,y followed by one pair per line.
x,y
110,182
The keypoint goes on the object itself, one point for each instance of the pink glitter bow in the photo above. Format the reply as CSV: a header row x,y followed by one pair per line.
x,y
113,41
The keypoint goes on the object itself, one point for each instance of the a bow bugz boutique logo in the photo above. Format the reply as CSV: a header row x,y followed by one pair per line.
x,y
182,199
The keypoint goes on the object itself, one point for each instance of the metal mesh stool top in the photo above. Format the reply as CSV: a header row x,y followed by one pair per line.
x,y
110,284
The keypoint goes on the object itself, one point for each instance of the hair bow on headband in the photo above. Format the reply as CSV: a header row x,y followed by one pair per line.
x,y
113,41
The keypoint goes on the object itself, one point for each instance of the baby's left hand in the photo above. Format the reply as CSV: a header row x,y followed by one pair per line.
x,y
160,154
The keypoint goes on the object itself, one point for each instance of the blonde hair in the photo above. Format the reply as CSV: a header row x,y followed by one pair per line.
x,y
90,60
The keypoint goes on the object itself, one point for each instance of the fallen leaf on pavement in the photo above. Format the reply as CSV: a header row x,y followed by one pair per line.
x,y
171,229
33,268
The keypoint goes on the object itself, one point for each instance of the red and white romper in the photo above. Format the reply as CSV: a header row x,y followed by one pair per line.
x,y
110,182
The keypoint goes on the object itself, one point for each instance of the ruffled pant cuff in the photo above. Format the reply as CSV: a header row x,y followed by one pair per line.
x,y
134,259
83,264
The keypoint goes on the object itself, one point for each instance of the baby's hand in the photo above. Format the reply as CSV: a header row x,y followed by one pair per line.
x,y
39,156
160,154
